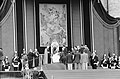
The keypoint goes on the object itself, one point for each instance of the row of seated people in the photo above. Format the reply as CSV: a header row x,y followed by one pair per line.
x,y
111,62
27,61
81,58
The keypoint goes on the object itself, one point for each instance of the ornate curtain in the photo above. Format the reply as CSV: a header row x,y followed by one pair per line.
x,y
107,20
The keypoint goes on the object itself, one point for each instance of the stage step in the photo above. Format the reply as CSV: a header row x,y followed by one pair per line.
x,y
54,66
11,75
57,66
83,74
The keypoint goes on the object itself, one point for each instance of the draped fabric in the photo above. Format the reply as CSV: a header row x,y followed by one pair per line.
x,y
107,20
5,10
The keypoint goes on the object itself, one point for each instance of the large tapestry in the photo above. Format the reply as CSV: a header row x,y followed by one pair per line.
x,y
53,24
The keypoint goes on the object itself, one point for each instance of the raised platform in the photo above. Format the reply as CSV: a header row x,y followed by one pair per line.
x,y
83,74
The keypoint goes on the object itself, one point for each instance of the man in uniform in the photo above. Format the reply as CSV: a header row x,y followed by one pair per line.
x,y
15,61
6,64
94,60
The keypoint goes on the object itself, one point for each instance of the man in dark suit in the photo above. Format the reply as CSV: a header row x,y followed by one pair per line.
x,y
36,56
69,59
30,58
76,60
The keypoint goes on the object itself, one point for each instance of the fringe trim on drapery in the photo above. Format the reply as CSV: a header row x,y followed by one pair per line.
x,y
105,24
110,26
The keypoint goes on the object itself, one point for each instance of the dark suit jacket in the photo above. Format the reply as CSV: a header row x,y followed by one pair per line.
x,y
77,58
69,58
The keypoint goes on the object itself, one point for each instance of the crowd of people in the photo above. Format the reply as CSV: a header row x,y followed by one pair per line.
x,y
76,58
26,61
79,57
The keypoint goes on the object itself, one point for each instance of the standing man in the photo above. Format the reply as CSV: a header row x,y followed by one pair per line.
x,y
84,60
69,60
24,60
76,60
36,57
30,58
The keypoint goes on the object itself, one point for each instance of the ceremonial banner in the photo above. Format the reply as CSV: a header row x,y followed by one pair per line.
x,y
53,24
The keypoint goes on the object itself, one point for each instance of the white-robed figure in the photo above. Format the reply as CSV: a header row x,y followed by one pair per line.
x,y
56,57
46,55
54,51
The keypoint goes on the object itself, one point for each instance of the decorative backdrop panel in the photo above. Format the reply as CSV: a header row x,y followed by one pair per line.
x,y
53,24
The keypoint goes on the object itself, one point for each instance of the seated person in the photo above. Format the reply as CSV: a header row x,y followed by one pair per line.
x,y
94,60
104,62
118,63
113,62
24,60
109,60
6,64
